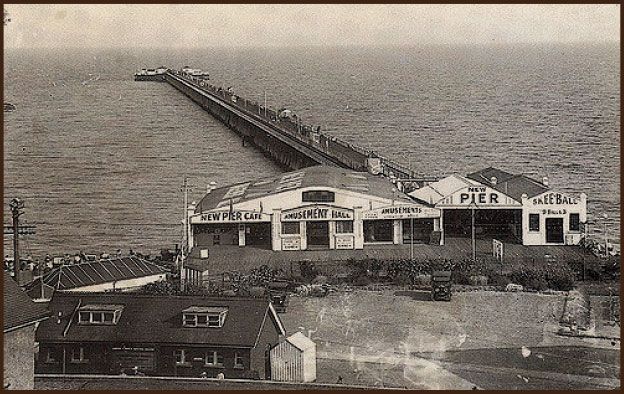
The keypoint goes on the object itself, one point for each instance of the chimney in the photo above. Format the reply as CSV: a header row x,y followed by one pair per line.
x,y
493,181
545,181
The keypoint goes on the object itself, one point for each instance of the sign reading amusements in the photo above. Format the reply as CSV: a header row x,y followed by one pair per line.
x,y
401,212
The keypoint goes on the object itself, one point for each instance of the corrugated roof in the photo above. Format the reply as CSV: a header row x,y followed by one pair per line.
x,y
512,185
300,341
96,272
317,176
19,309
158,319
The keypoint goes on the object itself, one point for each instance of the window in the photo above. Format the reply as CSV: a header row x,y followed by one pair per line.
x,y
99,314
318,196
378,230
84,317
216,239
198,316
180,357
190,320
214,359
50,356
78,355
214,321
290,227
344,227
238,360
534,222
575,222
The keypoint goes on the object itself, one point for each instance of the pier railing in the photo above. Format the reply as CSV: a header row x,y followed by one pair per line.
x,y
351,155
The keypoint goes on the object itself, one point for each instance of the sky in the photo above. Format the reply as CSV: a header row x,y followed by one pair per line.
x,y
187,26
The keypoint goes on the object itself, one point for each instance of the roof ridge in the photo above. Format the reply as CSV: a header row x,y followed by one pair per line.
x,y
145,295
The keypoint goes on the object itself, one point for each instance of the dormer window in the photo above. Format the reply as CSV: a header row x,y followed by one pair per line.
x,y
318,196
99,314
204,316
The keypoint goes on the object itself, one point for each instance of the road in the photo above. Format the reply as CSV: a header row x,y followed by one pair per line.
x,y
477,339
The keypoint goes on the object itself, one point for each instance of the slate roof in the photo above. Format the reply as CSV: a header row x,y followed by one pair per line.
x,y
158,319
316,176
512,185
19,309
96,272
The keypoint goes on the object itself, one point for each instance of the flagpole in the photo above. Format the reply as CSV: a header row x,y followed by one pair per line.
x,y
474,241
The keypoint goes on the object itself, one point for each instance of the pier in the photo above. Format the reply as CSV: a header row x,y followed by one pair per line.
x,y
283,138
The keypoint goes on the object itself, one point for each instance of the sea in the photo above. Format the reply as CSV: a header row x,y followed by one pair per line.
x,y
100,159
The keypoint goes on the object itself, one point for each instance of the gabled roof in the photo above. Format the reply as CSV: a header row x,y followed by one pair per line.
x,y
91,273
300,341
158,319
485,175
512,185
19,309
436,191
316,176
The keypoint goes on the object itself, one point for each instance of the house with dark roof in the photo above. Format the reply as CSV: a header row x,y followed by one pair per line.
x,y
318,207
20,319
195,336
508,207
113,274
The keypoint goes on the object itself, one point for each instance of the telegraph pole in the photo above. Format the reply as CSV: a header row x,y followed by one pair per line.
x,y
474,241
412,238
184,234
16,206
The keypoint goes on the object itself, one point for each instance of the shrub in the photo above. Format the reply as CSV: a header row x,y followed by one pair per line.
x,y
556,277
362,280
308,270
561,279
422,280
478,280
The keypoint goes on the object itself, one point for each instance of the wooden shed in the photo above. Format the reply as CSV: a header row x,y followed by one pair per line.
x,y
294,359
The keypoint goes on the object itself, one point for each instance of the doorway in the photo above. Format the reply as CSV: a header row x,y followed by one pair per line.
x,y
554,230
318,234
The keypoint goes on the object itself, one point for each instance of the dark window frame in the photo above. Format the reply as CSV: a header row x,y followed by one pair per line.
x,y
340,223
577,222
294,225
322,196
534,226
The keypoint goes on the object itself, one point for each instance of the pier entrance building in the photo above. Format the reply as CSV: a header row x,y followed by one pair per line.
x,y
511,208
314,208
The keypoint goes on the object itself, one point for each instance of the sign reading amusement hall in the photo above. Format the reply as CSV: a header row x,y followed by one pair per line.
x,y
316,212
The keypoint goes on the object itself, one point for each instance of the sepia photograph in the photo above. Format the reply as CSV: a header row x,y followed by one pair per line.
x,y
311,196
